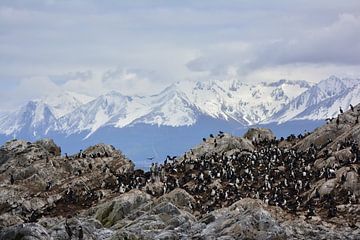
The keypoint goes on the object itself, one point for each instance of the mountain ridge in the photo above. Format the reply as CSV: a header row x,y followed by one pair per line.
x,y
182,103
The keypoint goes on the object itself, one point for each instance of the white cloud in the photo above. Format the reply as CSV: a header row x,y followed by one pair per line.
x,y
71,44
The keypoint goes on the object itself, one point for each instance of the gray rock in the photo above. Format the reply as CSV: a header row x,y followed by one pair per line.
x,y
28,231
118,208
259,134
50,146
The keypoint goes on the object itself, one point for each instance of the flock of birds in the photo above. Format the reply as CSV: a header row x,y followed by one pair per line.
x,y
278,175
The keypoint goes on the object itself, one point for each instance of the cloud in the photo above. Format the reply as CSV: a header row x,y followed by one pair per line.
x,y
77,44
63,78
335,44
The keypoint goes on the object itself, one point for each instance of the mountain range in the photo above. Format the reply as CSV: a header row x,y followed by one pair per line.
x,y
185,105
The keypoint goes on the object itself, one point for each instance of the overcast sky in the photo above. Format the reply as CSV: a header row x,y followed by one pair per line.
x,y
138,47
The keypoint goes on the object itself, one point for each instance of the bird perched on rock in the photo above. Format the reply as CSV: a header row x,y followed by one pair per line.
x,y
341,111
81,233
351,107
48,186
12,180
68,229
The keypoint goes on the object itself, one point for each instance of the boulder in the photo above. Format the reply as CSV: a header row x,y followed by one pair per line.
x,y
25,231
245,219
344,155
50,146
328,186
180,198
259,134
111,212
220,144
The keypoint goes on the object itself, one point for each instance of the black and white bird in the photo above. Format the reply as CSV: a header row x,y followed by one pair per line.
x,y
48,186
351,107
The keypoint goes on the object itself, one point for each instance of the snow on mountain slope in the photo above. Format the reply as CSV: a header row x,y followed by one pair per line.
x,y
245,103
35,118
182,104
321,101
96,113
66,102
169,108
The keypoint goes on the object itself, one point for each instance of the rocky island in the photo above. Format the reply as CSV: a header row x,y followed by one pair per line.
x,y
227,187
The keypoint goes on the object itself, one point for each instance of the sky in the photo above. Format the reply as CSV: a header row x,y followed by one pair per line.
x,y
139,47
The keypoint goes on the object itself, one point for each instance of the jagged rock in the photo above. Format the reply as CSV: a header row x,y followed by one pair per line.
x,y
352,182
220,144
347,129
42,178
344,155
118,165
160,221
92,229
245,219
328,186
259,134
50,146
180,198
118,208
25,231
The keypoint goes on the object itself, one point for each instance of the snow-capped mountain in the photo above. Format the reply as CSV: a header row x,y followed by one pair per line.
x,y
183,104
64,103
244,103
96,113
35,118
321,101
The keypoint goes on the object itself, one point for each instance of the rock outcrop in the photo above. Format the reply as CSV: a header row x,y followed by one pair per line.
x,y
227,187
259,135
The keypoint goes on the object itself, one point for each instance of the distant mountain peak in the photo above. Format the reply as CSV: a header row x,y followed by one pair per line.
x,y
182,103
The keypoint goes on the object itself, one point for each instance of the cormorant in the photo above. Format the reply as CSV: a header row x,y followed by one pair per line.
x,y
48,186
341,111
68,229
81,233
12,180
352,107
